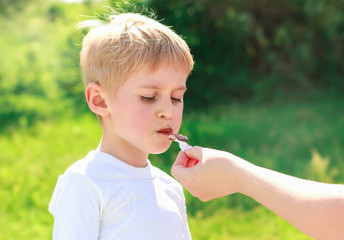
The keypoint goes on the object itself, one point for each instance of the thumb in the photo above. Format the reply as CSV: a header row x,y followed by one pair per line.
x,y
181,160
194,154
185,161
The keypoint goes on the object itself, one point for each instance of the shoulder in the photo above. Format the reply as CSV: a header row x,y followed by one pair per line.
x,y
81,166
77,179
75,182
74,189
89,168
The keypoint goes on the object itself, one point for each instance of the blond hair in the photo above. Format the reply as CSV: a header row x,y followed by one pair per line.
x,y
113,51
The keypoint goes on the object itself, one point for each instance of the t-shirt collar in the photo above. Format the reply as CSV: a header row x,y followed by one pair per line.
x,y
140,172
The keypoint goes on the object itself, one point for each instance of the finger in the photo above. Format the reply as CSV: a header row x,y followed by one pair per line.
x,y
179,165
194,153
191,163
181,160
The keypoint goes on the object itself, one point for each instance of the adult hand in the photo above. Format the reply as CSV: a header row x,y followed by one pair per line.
x,y
315,208
207,173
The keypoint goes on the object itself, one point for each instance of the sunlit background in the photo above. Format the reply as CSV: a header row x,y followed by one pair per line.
x,y
268,86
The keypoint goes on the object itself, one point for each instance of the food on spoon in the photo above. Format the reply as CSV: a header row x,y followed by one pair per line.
x,y
183,145
179,137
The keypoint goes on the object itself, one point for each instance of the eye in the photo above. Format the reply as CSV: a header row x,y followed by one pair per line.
x,y
147,99
179,100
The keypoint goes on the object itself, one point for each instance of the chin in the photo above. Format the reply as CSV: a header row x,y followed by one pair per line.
x,y
160,149
157,152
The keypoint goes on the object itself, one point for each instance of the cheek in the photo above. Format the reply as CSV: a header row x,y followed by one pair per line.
x,y
178,120
140,120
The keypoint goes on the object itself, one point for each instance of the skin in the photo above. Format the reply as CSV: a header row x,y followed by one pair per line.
x,y
140,116
316,209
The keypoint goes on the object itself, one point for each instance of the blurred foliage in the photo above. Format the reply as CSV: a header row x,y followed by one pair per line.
x,y
261,51
39,74
318,168
7,7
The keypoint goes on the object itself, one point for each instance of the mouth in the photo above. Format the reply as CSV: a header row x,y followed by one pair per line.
x,y
165,131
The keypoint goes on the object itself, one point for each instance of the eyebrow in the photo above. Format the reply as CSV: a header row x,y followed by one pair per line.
x,y
151,86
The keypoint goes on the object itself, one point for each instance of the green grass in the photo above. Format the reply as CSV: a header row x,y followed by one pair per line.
x,y
235,224
31,161
304,140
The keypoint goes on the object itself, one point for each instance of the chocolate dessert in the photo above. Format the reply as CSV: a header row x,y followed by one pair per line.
x,y
179,137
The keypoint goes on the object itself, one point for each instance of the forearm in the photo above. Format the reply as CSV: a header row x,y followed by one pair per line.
x,y
316,209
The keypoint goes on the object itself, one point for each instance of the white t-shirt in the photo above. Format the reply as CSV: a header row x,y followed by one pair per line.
x,y
101,197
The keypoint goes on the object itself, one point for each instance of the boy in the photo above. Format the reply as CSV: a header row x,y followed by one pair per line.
x,y
135,72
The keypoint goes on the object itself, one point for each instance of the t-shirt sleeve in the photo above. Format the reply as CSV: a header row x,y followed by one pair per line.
x,y
76,207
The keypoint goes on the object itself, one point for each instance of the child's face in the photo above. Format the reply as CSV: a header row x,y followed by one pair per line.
x,y
146,109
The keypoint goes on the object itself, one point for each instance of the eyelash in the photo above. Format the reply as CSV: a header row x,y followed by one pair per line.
x,y
147,99
151,99
176,100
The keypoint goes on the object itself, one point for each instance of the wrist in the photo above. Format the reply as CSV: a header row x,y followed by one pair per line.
x,y
234,171
240,172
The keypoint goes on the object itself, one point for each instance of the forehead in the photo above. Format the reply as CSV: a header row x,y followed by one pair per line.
x,y
163,75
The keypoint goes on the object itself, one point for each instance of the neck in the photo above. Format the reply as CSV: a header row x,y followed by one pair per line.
x,y
121,151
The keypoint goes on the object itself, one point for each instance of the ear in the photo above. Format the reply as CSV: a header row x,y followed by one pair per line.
x,y
95,98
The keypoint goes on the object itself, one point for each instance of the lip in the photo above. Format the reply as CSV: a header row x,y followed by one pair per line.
x,y
165,131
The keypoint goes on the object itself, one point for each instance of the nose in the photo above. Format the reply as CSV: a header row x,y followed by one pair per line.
x,y
165,109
